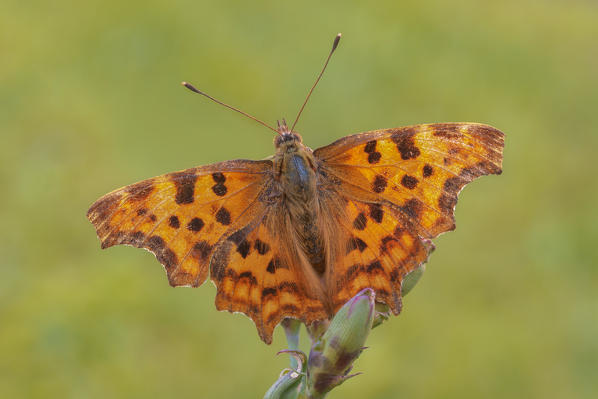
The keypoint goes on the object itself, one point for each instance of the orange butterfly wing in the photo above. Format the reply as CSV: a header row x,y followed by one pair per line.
x,y
181,217
400,187
256,275
380,251
220,218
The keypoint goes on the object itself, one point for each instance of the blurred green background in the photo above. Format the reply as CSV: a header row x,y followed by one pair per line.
x,y
91,101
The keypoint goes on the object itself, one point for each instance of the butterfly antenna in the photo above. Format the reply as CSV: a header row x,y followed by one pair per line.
x,y
193,89
334,46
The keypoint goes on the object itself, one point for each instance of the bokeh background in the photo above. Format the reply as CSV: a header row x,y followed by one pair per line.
x,y
90,101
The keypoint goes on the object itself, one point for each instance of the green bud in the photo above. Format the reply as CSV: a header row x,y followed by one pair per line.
x,y
331,357
286,386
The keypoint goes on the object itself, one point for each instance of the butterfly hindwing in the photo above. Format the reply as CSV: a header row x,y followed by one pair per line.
x,y
380,250
181,216
255,275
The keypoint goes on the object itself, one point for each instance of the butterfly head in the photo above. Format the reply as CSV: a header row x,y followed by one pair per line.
x,y
286,139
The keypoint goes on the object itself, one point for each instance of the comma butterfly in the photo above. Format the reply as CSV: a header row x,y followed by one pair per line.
x,y
299,233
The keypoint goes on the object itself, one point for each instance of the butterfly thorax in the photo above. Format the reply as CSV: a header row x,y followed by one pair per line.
x,y
296,170
295,166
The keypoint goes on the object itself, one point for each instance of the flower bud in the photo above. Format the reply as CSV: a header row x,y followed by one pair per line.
x,y
286,386
331,357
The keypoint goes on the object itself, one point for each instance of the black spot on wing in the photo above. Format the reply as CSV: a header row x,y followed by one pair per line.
x,y
195,225
379,184
218,177
409,182
271,266
174,222
356,243
370,149
376,213
219,189
185,187
360,221
427,171
370,146
223,216
261,247
405,144
243,248
374,157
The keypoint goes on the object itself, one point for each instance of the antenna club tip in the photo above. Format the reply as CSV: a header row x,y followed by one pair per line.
x,y
190,87
337,39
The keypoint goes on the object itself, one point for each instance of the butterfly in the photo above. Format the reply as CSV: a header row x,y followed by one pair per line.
x,y
299,233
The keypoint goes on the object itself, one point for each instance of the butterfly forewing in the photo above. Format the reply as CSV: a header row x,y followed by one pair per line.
x,y
182,216
418,170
